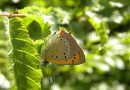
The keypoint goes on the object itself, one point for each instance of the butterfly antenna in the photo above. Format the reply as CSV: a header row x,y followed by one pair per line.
x,y
51,74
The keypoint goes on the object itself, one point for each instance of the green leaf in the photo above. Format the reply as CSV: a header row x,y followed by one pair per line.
x,y
35,22
25,57
99,25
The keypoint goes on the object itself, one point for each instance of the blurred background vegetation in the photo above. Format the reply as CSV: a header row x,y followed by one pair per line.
x,y
102,27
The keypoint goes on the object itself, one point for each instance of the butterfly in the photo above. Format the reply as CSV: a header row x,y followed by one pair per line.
x,y
62,48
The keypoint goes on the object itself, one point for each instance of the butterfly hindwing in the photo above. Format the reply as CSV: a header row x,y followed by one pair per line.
x,y
58,48
63,49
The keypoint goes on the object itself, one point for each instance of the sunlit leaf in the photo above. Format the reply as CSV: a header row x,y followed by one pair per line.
x,y
25,57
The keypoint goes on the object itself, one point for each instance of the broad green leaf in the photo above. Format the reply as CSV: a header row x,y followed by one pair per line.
x,y
38,28
35,23
42,16
25,57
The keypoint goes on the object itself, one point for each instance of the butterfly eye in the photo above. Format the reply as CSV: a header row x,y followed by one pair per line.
x,y
54,33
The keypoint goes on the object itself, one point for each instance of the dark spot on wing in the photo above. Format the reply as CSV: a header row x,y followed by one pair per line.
x,y
74,57
56,56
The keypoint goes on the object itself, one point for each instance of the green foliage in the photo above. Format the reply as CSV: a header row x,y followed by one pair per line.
x,y
28,41
99,25
25,57
101,28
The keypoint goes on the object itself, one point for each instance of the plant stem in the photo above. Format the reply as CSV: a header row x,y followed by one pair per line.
x,y
10,15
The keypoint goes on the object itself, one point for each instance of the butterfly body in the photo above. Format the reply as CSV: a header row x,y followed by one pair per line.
x,y
63,49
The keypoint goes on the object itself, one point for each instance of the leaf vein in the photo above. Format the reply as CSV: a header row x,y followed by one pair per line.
x,y
28,66
28,54
24,40
29,79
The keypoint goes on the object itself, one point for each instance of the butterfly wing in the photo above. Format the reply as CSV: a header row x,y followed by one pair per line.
x,y
63,49
57,49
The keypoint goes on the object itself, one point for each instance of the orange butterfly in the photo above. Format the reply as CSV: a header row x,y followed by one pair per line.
x,y
63,49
